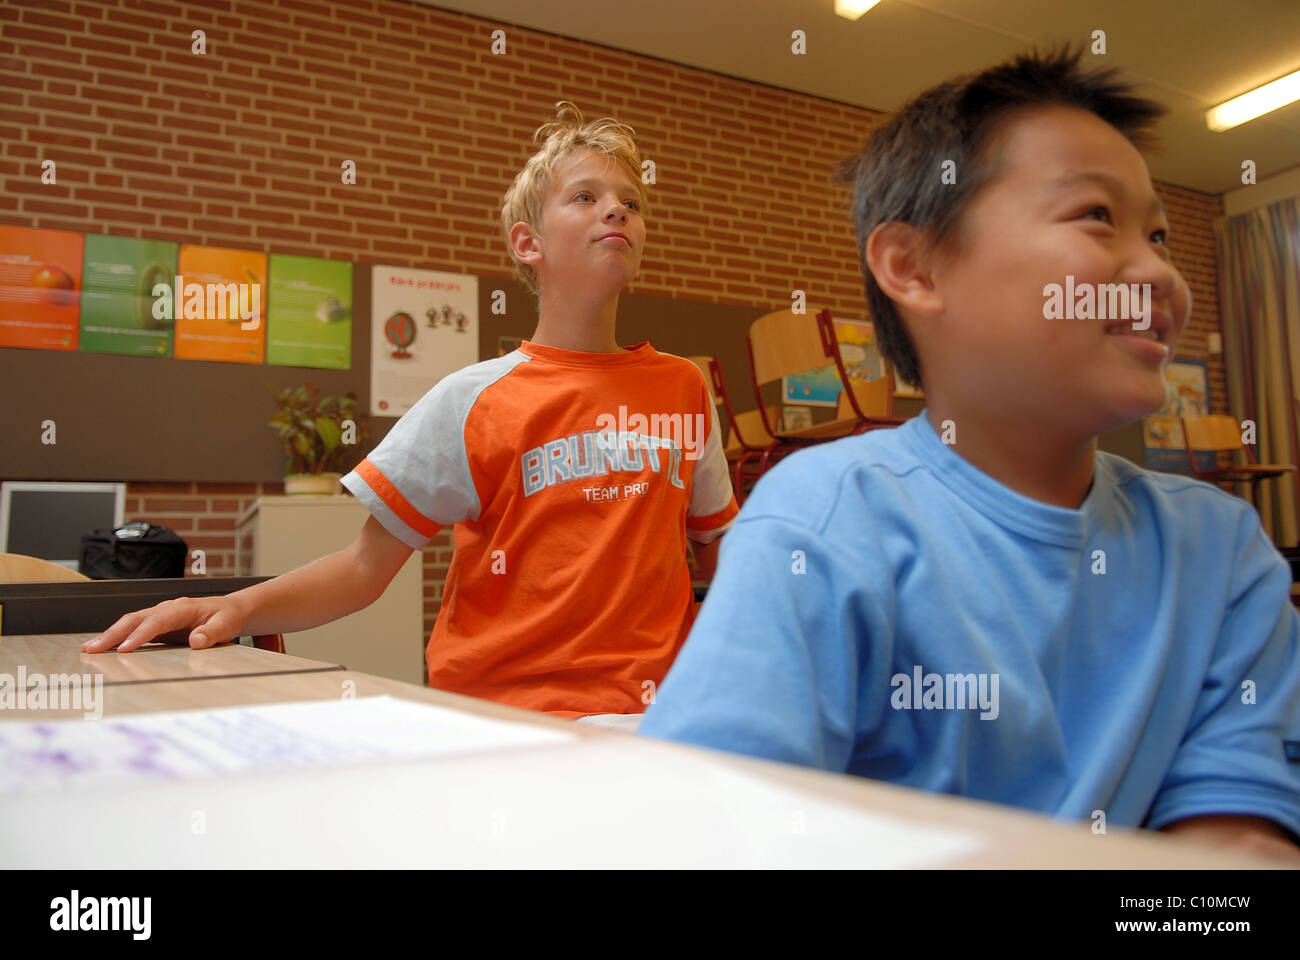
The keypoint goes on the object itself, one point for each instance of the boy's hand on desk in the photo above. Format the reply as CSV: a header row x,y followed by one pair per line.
x,y
1250,835
203,622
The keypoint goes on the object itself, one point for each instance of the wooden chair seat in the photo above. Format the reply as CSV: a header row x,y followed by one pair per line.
x,y
830,430
749,434
1246,471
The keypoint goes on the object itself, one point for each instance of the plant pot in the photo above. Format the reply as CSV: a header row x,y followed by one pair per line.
x,y
312,484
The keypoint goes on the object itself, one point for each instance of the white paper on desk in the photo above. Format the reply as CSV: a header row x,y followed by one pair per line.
x,y
775,824
194,744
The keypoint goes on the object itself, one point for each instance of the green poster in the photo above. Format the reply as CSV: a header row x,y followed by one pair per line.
x,y
118,278
309,313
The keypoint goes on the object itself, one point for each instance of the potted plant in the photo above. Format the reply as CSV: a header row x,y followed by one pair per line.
x,y
315,433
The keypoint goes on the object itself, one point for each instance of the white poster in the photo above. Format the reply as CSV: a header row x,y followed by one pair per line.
x,y
424,326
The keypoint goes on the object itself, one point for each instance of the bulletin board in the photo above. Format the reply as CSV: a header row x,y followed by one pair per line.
x,y
162,419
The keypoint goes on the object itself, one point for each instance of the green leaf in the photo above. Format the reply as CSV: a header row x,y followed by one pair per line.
x,y
329,432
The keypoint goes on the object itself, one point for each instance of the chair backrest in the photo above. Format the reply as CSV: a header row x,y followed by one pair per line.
x,y
875,398
1218,431
19,568
782,344
703,362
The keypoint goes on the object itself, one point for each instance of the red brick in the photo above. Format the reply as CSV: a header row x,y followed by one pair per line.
x,y
132,216
60,209
108,196
131,82
210,543
36,35
179,505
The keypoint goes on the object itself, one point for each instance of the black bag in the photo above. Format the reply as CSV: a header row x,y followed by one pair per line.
x,y
133,552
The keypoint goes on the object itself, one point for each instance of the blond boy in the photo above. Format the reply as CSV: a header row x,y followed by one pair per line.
x,y
569,590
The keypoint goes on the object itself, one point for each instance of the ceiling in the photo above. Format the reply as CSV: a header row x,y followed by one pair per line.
x,y
1189,54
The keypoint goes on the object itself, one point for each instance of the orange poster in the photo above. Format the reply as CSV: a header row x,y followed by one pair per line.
x,y
40,288
218,301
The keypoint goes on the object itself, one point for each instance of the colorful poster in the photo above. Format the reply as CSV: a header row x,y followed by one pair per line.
x,y
40,288
309,313
1187,395
862,362
796,418
219,304
424,325
117,303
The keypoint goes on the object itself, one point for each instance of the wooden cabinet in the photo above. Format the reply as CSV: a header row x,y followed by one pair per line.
x,y
279,534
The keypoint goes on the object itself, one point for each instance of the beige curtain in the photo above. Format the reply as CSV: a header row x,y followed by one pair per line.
x,y
1259,295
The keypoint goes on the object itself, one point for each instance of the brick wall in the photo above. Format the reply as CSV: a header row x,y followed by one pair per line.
x,y
242,148
202,514
1191,245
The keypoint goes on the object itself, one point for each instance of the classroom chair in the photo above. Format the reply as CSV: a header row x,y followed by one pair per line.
x,y
782,344
19,568
704,364
871,402
1222,433
751,460
748,440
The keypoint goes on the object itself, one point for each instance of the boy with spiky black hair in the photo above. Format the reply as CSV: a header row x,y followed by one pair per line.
x,y
980,602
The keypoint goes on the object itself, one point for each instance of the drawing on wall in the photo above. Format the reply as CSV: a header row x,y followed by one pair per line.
x,y
1187,394
425,326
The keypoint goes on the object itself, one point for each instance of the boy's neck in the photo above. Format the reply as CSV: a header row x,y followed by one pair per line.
x,y
1033,459
584,325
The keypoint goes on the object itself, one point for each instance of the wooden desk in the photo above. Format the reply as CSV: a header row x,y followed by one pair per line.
x,y
60,653
207,692
602,799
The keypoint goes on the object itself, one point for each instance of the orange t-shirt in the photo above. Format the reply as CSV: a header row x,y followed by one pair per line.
x,y
573,480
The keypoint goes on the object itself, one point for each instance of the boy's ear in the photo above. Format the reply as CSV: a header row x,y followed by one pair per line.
x,y
899,259
525,243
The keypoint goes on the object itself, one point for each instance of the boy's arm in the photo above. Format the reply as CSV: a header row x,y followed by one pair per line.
x,y
706,556
334,586
712,506
1244,834
322,591
1232,775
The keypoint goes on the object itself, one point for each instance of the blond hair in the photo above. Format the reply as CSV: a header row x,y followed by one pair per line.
x,y
562,136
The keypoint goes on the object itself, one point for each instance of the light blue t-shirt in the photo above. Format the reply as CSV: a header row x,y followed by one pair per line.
x,y
884,608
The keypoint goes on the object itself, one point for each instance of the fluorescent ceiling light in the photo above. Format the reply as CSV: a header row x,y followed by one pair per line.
x,y
852,9
1254,103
